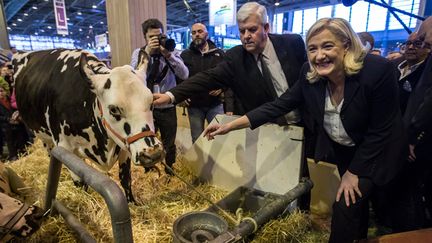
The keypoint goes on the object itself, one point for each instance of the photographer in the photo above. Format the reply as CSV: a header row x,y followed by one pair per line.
x,y
164,67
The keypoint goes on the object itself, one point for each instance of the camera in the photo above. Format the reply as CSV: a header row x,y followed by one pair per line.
x,y
167,43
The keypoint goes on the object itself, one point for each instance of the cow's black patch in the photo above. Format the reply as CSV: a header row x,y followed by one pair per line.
x,y
146,128
147,141
90,155
127,128
100,152
133,71
107,84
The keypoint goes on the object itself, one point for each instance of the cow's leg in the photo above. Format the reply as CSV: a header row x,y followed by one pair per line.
x,y
126,178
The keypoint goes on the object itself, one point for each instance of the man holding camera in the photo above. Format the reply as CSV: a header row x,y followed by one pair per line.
x,y
164,67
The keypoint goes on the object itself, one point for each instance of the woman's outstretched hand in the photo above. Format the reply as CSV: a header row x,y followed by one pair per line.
x,y
219,129
216,129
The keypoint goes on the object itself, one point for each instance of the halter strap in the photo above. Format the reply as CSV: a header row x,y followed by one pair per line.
x,y
127,141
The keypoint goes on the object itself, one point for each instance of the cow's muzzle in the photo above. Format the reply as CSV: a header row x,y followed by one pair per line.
x,y
151,156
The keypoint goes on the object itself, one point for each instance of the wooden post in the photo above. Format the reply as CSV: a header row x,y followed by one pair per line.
x,y
124,25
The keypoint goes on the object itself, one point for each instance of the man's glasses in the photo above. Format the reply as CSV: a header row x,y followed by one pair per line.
x,y
416,44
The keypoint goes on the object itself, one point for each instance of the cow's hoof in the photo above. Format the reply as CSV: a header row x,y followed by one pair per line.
x,y
81,184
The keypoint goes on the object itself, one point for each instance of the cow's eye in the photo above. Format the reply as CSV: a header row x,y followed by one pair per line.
x,y
115,111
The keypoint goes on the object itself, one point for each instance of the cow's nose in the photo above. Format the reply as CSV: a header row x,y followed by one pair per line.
x,y
151,156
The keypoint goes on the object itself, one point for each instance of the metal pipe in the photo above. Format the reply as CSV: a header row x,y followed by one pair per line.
x,y
73,222
269,211
107,188
53,180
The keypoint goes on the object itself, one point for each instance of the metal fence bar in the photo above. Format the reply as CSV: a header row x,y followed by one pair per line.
x,y
107,188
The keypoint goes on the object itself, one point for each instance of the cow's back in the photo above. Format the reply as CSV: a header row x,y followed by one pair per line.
x,y
51,93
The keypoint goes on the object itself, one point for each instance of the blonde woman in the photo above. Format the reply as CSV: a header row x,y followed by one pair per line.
x,y
351,97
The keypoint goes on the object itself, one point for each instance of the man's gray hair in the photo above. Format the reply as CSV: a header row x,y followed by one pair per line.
x,y
250,8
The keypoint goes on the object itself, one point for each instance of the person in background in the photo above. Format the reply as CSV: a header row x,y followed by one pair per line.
x,y
393,55
376,52
165,66
367,40
418,119
201,55
6,121
352,99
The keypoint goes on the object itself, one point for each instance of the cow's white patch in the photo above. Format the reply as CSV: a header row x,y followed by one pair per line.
x,y
20,67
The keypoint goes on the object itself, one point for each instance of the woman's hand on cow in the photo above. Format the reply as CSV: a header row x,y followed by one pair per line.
x,y
219,129
348,187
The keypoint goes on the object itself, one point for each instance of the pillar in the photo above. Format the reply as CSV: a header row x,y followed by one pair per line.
x,y
124,25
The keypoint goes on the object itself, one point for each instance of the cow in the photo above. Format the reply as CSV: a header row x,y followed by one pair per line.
x,y
71,99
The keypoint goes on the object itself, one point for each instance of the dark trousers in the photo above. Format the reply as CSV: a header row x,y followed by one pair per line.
x,y
166,123
412,196
350,223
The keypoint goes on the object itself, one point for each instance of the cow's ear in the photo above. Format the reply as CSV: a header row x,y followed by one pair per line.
x,y
88,73
143,62
85,69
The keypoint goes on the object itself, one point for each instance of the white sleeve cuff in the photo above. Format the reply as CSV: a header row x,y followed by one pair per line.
x,y
171,96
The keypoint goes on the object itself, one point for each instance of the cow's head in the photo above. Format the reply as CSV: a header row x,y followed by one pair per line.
x,y
125,107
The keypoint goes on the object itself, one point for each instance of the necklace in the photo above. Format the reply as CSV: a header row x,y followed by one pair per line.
x,y
336,96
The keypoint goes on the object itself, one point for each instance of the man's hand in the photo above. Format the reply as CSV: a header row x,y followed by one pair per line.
x,y
152,45
411,155
349,187
215,92
165,52
161,99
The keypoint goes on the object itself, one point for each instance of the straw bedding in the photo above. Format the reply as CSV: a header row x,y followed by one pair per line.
x,y
161,199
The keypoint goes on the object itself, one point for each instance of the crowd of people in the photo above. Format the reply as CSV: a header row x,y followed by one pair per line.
x,y
13,132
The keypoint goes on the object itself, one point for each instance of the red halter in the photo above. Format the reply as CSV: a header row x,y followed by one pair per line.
x,y
127,140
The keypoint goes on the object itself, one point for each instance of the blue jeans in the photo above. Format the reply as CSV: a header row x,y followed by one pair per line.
x,y
197,116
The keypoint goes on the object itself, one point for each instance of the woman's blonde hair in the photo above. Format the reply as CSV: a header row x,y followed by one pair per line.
x,y
353,60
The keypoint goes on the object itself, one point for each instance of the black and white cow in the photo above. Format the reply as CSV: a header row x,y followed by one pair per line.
x,y
71,99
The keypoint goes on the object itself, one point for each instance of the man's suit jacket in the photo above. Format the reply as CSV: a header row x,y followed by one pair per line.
x,y
418,114
370,115
240,72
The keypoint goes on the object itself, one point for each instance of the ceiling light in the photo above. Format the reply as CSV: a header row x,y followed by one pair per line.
x,y
101,22
34,7
71,32
42,30
36,33
9,28
19,20
67,19
49,27
79,13
80,29
25,14
94,6
207,1
87,36
13,24
91,27
277,3
106,32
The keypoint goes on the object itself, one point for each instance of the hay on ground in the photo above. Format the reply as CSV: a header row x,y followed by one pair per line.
x,y
161,200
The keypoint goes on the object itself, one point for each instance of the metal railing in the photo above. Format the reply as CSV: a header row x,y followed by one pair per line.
x,y
107,188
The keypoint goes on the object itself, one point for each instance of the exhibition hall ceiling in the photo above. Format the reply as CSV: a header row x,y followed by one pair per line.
x,y
87,18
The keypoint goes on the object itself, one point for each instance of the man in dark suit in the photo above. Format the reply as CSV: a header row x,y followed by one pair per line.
x,y
418,119
258,71
242,68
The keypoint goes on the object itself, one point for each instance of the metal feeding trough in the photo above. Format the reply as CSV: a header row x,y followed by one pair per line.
x,y
206,226
197,227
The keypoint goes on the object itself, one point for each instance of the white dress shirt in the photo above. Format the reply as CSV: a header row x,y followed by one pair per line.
x,y
333,123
